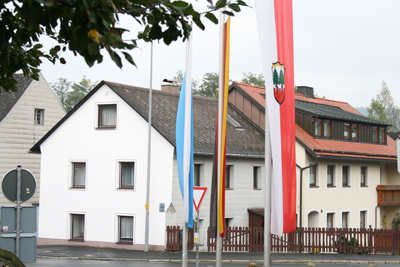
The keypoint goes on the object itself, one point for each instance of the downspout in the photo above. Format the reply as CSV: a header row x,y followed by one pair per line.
x,y
301,195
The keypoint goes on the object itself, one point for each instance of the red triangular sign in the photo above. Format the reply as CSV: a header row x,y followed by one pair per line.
x,y
198,195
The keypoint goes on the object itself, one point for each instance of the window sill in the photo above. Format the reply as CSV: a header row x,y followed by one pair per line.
x,y
79,188
346,186
76,240
331,186
126,188
227,189
314,186
256,188
364,186
106,127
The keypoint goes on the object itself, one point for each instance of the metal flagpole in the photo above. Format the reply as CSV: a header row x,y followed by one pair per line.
x,y
146,242
184,245
220,115
267,194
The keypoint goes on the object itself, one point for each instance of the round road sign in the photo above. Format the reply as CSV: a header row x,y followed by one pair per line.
x,y
9,185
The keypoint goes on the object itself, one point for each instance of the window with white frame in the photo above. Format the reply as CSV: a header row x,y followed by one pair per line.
x,y
228,177
330,175
345,176
77,227
345,219
39,116
363,176
256,177
78,174
125,229
330,220
126,175
313,176
363,219
107,116
197,181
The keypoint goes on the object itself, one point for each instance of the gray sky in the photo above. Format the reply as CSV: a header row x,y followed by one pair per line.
x,y
344,49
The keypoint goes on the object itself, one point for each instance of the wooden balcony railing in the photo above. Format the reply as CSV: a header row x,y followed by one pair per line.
x,y
388,195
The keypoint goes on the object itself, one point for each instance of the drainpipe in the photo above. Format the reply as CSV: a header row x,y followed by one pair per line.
x,y
301,195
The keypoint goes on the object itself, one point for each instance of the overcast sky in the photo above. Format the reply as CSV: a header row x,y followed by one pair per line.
x,y
342,48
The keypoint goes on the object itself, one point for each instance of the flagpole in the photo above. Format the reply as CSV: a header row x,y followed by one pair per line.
x,y
267,195
220,115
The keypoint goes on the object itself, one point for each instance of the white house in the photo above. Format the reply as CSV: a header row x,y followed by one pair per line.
x,y
94,168
25,117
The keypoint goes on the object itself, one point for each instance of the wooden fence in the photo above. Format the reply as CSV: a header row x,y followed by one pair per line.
x,y
312,240
174,238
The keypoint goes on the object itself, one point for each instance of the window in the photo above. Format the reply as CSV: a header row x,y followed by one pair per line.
x,y
363,218
313,178
375,135
196,175
256,177
39,116
125,229
363,176
354,132
228,222
345,176
381,135
79,174
327,129
127,175
329,220
345,220
330,175
346,131
77,227
228,180
107,116
317,128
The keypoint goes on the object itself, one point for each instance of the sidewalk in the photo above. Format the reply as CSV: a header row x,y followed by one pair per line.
x,y
90,253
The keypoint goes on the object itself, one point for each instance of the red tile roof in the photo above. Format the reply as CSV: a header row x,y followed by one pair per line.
x,y
322,147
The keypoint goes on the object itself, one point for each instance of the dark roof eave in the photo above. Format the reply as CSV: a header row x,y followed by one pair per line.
x,y
349,158
202,153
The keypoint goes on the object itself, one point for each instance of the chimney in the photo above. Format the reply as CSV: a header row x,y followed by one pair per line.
x,y
169,86
306,91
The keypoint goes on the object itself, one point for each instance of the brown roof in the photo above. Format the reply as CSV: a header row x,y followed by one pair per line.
x,y
246,142
328,148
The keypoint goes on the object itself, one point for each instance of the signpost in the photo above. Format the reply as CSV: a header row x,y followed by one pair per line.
x,y
198,195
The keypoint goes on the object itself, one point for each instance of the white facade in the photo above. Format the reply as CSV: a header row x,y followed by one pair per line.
x,y
78,139
19,132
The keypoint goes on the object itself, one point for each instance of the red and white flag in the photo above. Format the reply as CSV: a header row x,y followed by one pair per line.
x,y
275,29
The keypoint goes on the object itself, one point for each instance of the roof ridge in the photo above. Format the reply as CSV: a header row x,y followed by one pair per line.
x,y
250,85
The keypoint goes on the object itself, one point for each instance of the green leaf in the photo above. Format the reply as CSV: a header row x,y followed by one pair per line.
x,y
180,3
228,13
129,58
199,23
220,4
112,38
62,60
115,57
93,48
211,17
234,7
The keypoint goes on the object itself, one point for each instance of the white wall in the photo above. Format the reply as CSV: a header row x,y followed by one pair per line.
x,y
77,139
18,133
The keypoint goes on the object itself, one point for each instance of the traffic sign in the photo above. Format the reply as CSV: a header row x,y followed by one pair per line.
x,y
9,185
198,195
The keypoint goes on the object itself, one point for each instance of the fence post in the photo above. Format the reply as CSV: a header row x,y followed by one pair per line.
x,y
370,239
393,242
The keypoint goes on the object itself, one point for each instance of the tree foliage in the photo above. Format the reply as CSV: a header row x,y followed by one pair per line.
x,y
257,80
209,85
69,94
383,108
89,27
178,78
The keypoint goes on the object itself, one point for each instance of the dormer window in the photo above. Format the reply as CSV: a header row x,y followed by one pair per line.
x,y
374,135
354,132
327,129
317,128
381,135
346,131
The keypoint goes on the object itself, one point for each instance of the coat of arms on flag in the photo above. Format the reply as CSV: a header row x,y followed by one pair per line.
x,y
278,77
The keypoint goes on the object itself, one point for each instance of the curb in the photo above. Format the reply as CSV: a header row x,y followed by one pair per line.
x,y
304,261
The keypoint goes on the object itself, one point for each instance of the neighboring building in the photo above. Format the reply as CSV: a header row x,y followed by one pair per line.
x,y
355,162
25,117
94,168
394,135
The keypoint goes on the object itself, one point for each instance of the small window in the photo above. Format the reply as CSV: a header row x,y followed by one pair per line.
x,y
125,229
127,175
363,176
346,131
363,218
381,135
354,132
317,128
374,135
327,129
77,227
228,222
345,176
228,181
345,220
256,177
313,174
79,175
39,116
329,220
196,175
107,116
330,175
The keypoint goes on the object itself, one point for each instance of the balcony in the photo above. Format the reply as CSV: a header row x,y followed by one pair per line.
x,y
388,195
